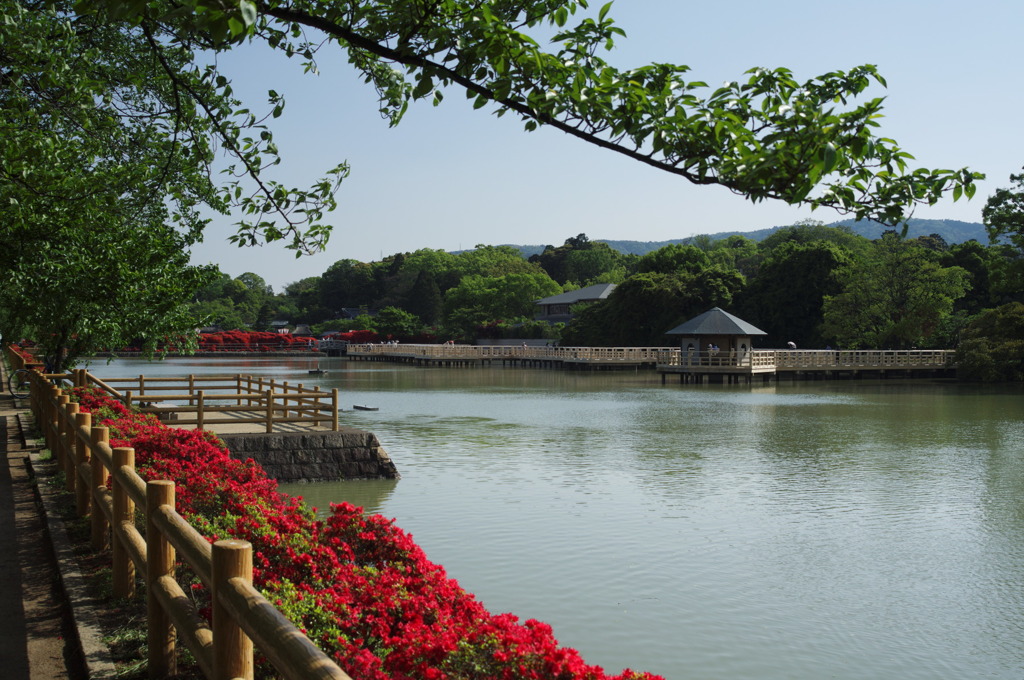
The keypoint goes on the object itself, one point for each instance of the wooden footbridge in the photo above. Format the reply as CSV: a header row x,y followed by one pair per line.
x,y
540,356
689,366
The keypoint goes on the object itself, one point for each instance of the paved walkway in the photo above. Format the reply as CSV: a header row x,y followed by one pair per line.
x,y
38,640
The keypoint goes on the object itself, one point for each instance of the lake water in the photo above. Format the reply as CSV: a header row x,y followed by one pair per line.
x,y
796,531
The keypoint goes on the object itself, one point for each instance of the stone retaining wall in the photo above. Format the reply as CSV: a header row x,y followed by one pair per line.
x,y
315,456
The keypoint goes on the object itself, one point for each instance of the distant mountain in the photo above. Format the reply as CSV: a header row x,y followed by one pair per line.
x,y
952,231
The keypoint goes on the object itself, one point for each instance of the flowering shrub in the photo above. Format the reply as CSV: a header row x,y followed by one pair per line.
x,y
22,351
357,585
249,341
358,337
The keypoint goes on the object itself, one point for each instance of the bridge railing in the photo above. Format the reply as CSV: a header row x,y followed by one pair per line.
x,y
868,358
218,400
529,352
148,548
794,360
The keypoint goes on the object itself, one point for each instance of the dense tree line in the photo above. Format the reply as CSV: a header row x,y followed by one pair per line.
x,y
810,284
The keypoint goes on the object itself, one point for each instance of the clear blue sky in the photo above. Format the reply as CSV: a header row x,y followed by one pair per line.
x,y
450,177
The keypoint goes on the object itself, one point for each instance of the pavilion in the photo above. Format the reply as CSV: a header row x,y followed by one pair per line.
x,y
719,329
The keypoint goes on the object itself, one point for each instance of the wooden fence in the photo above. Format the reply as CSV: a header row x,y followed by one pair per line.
x,y
217,400
148,548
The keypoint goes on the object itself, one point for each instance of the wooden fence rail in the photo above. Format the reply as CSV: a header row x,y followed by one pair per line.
x,y
150,549
197,400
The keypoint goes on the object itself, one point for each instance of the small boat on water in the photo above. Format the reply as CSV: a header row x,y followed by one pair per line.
x,y
365,408
317,371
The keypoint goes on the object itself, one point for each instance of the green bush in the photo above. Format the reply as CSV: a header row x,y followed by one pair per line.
x,y
992,346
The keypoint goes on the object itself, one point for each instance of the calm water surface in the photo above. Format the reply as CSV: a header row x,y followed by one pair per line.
x,y
811,530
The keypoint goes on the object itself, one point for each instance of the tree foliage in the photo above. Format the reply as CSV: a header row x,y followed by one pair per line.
x,y
785,298
480,299
765,136
992,347
893,300
1003,213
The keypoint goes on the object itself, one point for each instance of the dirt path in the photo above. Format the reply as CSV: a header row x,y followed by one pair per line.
x,y
37,640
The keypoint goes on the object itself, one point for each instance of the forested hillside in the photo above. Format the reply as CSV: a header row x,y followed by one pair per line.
x,y
951,231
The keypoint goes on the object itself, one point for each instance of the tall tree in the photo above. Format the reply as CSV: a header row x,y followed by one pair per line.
x,y
993,346
480,299
425,298
1003,213
90,168
785,298
894,299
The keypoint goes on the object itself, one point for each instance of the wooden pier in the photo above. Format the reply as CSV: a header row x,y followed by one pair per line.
x,y
730,367
569,358
691,367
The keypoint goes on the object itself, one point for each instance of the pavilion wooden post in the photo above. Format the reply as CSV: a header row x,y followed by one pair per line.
x,y
83,490
124,511
233,650
98,520
159,563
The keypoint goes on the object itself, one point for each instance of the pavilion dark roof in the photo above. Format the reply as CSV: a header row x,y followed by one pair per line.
x,y
716,322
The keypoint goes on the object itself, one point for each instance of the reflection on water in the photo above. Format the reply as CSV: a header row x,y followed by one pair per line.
x,y
370,494
843,530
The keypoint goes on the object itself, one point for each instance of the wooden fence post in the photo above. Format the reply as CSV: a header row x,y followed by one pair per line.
x,y
124,511
199,410
83,492
67,443
233,652
270,410
334,409
52,425
284,400
98,520
159,563
191,389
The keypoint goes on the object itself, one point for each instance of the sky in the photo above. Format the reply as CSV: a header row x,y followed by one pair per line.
x,y
450,178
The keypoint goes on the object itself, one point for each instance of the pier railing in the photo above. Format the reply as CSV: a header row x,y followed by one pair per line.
x,y
137,520
759,360
650,355
218,400
795,360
